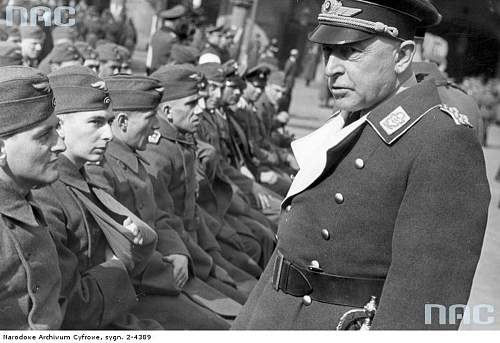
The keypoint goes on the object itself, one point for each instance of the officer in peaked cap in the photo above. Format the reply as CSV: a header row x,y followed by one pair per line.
x,y
386,216
163,40
215,50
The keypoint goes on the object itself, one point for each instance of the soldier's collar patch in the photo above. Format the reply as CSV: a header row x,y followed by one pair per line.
x,y
155,137
394,117
458,118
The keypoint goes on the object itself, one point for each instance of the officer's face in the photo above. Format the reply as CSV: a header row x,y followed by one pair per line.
x,y
253,92
139,127
30,156
184,114
362,74
86,135
275,93
215,38
31,47
231,95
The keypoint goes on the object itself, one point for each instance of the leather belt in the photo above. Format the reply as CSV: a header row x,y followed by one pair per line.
x,y
324,287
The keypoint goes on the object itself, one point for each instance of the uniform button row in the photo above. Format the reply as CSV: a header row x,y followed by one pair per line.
x,y
359,163
339,198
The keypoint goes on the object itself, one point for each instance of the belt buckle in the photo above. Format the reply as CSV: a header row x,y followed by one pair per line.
x,y
278,266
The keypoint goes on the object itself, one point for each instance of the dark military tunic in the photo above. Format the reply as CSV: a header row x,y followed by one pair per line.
x,y
161,44
30,297
399,196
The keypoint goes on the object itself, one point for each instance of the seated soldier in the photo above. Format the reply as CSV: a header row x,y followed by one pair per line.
x,y
172,157
100,274
29,148
64,55
268,164
90,56
123,173
109,58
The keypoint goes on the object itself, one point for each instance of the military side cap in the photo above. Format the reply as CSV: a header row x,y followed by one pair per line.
x,y
124,53
78,89
108,52
179,81
134,93
33,32
63,32
26,99
65,53
87,52
349,21
173,13
181,54
277,78
10,54
212,71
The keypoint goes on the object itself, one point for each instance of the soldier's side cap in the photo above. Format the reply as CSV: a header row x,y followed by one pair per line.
x,y
212,71
277,78
10,54
31,31
26,99
349,21
108,52
181,54
65,53
123,52
63,32
179,81
173,13
87,52
78,89
134,92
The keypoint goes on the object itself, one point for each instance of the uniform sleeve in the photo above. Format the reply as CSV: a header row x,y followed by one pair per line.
x,y
95,296
438,233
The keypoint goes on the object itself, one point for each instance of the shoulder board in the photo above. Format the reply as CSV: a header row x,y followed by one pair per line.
x,y
454,113
155,137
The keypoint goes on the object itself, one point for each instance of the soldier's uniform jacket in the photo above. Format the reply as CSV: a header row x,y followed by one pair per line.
x,y
30,293
99,291
161,44
399,196
171,167
123,174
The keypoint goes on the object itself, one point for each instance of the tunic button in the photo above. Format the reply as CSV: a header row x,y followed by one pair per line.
x,y
306,300
314,266
288,208
325,234
339,198
360,164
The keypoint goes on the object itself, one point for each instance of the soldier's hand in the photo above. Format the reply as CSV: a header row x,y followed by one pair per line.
x,y
269,177
134,230
180,264
262,199
222,275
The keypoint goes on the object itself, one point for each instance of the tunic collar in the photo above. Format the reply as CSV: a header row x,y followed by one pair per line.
x,y
70,175
16,205
123,153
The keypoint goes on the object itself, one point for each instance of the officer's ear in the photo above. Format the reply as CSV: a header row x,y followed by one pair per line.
x,y
121,120
3,154
404,56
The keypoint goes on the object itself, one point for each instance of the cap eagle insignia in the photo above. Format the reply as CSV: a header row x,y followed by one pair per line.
x,y
335,7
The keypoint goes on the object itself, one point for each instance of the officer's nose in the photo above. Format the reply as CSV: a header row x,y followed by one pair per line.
x,y
107,134
334,65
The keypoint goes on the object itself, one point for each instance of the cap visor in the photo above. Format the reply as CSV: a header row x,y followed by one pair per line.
x,y
331,35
